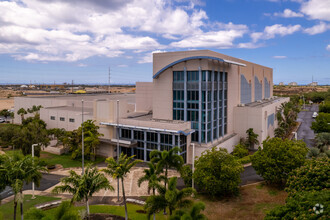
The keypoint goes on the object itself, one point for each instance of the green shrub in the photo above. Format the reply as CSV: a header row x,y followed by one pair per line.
x,y
240,151
34,213
321,123
278,158
66,212
304,205
218,172
186,175
245,160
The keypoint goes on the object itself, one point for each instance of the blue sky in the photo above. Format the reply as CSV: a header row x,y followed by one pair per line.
x,y
60,41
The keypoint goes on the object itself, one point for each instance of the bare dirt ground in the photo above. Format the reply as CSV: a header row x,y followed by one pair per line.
x,y
6,103
252,203
298,90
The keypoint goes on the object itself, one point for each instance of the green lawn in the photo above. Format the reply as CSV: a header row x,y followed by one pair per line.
x,y
7,209
64,159
116,210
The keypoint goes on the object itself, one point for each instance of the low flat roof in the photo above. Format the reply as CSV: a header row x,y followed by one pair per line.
x,y
130,97
264,102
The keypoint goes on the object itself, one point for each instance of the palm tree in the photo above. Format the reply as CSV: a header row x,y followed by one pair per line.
x,y
153,177
22,112
15,170
167,159
192,214
119,170
171,198
252,138
82,187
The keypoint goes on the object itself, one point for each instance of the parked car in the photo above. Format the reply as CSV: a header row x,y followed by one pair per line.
x,y
2,120
315,114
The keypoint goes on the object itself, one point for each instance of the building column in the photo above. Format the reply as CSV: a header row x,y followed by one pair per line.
x,y
212,102
206,104
179,144
132,138
218,97
223,102
173,140
145,146
158,147
185,93
200,105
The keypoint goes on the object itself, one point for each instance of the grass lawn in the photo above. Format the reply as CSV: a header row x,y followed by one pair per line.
x,y
7,209
117,210
64,159
253,202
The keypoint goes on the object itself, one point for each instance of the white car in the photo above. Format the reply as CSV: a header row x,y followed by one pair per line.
x,y
2,120
315,114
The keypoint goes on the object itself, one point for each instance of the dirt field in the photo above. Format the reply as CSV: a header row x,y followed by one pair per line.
x,y
298,90
253,203
6,103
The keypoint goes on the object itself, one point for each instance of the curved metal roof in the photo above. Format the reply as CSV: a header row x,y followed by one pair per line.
x,y
195,58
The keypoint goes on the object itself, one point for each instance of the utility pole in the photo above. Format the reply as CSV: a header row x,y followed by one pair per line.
x,y
33,145
82,136
109,81
117,134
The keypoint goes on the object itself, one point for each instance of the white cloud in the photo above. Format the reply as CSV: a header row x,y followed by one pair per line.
x,y
317,29
53,30
317,9
276,29
249,45
82,65
147,58
287,13
328,47
279,57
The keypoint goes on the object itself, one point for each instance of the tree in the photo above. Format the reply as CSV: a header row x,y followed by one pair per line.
x,y
303,205
153,177
321,123
322,141
5,113
171,198
34,132
252,138
119,170
325,107
82,187
192,214
8,135
34,109
186,175
22,112
91,140
286,116
217,173
278,158
15,171
167,160
312,176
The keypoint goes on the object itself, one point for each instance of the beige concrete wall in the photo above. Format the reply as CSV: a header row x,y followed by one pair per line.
x,y
144,91
105,150
257,118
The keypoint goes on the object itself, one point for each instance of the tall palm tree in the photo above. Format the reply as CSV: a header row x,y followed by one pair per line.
x,y
22,112
15,170
119,170
192,214
171,198
82,187
252,137
153,177
167,160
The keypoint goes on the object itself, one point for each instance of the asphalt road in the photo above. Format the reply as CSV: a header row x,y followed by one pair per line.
x,y
47,181
305,132
249,175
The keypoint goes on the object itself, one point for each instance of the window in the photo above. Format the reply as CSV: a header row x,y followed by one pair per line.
x,y
126,133
71,119
62,119
52,117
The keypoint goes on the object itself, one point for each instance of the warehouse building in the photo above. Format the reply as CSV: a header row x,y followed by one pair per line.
x,y
196,97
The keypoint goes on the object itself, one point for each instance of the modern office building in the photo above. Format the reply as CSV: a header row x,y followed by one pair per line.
x,y
199,98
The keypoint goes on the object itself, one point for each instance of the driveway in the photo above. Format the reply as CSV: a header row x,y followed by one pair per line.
x,y
305,132
47,181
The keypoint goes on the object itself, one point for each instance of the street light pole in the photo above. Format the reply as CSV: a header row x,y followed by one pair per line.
x,y
82,137
193,166
117,134
33,145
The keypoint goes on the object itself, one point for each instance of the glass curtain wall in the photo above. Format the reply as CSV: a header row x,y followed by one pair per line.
x,y
201,97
